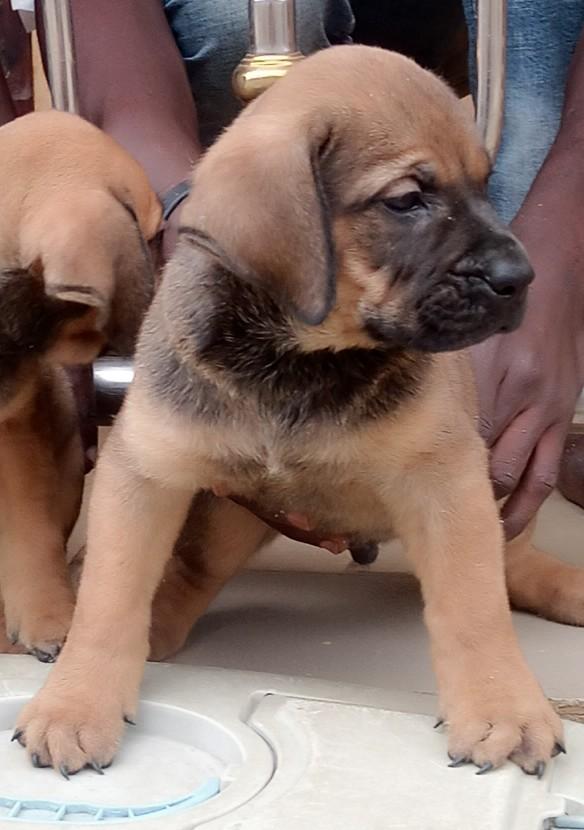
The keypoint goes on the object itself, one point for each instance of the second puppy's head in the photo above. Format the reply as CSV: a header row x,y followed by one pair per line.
x,y
353,191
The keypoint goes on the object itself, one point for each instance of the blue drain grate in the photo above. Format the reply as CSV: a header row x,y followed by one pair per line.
x,y
48,812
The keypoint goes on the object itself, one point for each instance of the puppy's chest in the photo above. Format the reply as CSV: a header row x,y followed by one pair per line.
x,y
317,480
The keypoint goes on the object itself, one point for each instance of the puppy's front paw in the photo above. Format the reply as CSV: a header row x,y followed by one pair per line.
x,y
40,622
496,721
71,729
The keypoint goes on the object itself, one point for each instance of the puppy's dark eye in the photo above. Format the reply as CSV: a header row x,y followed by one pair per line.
x,y
406,203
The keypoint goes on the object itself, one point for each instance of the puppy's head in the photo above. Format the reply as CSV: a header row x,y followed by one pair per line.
x,y
353,191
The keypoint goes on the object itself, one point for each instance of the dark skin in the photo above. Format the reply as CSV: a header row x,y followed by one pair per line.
x,y
7,111
7,108
139,94
528,381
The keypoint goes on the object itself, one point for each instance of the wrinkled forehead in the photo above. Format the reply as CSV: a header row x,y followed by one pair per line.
x,y
385,116
375,160
433,141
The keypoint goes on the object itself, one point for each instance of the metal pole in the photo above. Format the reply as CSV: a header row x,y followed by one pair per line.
x,y
111,378
491,64
60,53
273,47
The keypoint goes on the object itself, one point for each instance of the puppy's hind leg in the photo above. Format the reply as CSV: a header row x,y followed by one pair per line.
x,y
217,540
539,583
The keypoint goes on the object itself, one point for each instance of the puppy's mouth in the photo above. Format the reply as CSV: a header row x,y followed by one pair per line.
x,y
457,312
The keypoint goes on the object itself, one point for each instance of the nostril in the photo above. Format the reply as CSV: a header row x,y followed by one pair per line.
x,y
504,289
508,278
505,270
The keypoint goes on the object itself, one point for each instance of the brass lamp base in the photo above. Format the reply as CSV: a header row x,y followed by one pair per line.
x,y
256,73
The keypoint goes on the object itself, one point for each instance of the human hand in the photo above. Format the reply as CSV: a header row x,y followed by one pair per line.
x,y
529,381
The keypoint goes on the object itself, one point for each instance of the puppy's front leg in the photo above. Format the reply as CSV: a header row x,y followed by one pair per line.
x,y
38,511
491,702
77,718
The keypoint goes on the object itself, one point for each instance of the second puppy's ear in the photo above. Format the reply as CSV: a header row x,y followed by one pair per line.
x,y
95,259
259,195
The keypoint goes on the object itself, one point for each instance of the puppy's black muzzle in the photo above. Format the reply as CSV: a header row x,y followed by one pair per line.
x,y
462,275
483,293
501,264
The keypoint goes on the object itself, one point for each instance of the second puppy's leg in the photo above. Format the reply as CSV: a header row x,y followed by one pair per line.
x,y
41,480
217,540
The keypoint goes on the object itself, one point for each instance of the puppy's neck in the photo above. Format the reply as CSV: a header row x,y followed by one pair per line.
x,y
342,328
234,338
244,317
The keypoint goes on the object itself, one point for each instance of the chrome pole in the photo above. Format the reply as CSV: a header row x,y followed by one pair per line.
x,y
273,50
273,47
111,378
491,64
60,53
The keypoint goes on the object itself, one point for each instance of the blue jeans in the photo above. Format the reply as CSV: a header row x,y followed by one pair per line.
x,y
542,35
212,36
541,38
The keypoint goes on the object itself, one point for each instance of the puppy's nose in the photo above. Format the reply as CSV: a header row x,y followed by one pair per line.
x,y
504,267
509,275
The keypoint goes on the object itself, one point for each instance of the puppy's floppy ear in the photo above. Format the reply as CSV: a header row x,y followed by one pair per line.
x,y
93,257
259,195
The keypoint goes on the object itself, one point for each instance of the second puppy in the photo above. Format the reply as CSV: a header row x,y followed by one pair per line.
x,y
75,274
